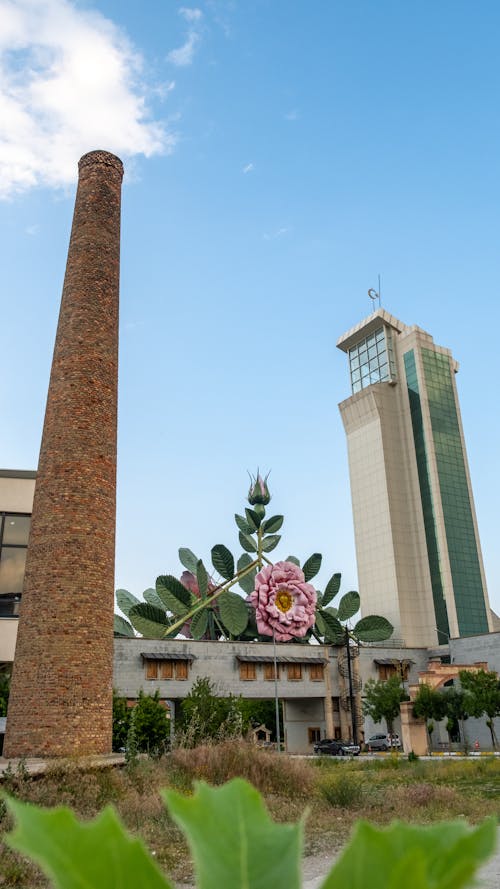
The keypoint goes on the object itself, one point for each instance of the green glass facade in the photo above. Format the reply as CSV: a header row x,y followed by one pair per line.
x,y
431,536
453,492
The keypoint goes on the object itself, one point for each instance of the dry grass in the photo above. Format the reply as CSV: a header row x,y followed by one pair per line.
x,y
336,793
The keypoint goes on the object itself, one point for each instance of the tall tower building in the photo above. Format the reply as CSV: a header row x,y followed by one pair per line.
x,y
417,543
61,693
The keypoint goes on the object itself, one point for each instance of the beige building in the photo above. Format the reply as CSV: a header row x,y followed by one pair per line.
x,y
417,543
16,502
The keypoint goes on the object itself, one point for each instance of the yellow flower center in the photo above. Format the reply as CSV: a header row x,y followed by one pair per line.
x,y
284,601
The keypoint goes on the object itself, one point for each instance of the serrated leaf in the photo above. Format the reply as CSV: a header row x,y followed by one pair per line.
x,y
312,566
331,588
126,601
320,624
149,621
75,855
253,519
334,631
293,559
202,578
246,583
233,612
247,543
373,628
270,542
243,525
273,524
259,852
223,561
348,605
199,623
188,559
152,598
440,856
175,597
121,627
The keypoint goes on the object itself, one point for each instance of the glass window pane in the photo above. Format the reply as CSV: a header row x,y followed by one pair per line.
x,y
372,351
16,529
356,387
12,569
379,335
355,375
370,340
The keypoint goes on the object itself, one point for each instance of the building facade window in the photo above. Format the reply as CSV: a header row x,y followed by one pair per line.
x,y
14,533
385,671
316,672
314,735
269,672
371,360
248,671
168,668
294,672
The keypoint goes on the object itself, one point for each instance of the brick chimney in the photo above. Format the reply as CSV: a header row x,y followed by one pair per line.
x,y
61,693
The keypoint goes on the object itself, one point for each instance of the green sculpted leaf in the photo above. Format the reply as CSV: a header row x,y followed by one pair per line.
x,y
247,543
243,525
188,559
270,542
76,855
202,578
348,605
246,583
332,588
199,623
312,566
233,612
121,627
253,519
126,601
373,629
152,598
175,597
223,561
293,559
273,524
320,624
439,856
233,841
149,621
335,632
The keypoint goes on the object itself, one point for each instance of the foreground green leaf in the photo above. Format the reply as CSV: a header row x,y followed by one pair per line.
x,y
235,844
247,543
293,559
441,856
223,561
273,524
253,519
373,628
334,631
270,542
233,612
199,623
78,855
246,583
331,588
152,598
243,524
202,578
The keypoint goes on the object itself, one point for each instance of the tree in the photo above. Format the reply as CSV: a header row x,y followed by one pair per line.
x,y
456,713
152,728
482,696
4,692
121,721
382,700
430,705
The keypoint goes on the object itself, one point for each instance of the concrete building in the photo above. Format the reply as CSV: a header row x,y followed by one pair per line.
x,y
16,503
417,543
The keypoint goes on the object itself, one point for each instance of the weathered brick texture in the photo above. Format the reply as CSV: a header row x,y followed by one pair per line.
x,y
61,696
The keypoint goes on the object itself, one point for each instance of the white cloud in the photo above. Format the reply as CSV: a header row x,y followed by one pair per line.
x,y
184,54
248,168
294,114
70,82
32,229
276,234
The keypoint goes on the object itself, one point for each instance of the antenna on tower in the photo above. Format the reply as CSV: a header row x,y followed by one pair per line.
x,y
375,295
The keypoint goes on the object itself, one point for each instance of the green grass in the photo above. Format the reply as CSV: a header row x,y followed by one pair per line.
x,y
335,794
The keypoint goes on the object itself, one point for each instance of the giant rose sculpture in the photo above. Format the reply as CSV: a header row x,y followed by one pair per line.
x,y
280,601
285,604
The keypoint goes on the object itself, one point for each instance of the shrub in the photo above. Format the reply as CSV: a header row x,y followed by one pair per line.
x,y
343,791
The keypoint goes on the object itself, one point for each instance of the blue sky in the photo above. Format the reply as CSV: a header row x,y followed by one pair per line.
x,y
278,157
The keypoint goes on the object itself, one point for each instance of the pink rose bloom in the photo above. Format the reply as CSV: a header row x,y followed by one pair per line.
x,y
284,603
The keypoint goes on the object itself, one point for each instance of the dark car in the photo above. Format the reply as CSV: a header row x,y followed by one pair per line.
x,y
330,747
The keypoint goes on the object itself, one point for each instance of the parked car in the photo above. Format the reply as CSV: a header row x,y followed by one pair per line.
x,y
383,742
331,747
